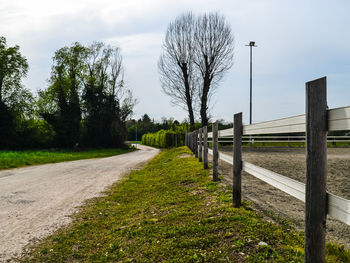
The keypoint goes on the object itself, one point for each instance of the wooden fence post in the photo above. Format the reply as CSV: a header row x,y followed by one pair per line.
x,y
215,152
316,170
200,154
186,139
193,142
237,159
205,146
196,143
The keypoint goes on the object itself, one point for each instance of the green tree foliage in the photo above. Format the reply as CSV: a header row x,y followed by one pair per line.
x,y
164,139
60,105
15,100
162,134
87,102
13,67
7,125
146,125
107,103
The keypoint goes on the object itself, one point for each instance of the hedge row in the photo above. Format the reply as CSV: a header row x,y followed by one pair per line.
x,y
164,139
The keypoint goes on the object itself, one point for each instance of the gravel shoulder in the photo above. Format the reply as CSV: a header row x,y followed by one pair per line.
x,y
291,162
35,201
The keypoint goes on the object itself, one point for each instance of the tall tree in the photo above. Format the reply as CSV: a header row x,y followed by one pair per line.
x,y
60,104
87,101
213,55
176,65
107,102
15,100
13,67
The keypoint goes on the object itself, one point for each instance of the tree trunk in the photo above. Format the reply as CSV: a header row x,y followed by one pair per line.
x,y
191,116
188,96
204,101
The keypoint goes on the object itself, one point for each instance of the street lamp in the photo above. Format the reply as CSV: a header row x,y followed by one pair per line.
x,y
251,45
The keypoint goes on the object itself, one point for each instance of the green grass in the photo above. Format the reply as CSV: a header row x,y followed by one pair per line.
x,y
138,142
12,159
171,211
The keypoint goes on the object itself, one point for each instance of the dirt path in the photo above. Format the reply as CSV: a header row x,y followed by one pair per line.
x,y
291,162
37,200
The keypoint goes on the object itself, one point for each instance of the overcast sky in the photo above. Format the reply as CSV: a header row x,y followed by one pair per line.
x,y
297,41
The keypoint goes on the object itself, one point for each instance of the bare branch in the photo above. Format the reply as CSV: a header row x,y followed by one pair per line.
x,y
176,67
213,55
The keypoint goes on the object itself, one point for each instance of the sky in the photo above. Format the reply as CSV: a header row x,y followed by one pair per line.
x,y
297,41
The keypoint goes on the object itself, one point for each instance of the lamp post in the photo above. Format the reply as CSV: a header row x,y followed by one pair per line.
x,y
251,45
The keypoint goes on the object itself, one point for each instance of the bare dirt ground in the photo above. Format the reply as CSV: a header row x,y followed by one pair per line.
x,y
37,200
291,162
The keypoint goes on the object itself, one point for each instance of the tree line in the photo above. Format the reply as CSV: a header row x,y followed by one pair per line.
x,y
197,52
86,103
137,128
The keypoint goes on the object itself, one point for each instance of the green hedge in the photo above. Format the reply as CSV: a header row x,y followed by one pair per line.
x,y
164,139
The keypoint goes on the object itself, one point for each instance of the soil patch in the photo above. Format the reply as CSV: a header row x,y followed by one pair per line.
x,y
291,162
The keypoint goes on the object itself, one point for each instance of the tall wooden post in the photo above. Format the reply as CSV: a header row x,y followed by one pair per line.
x,y
237,159
200,154
186,139
192,141
316,170
205,146
215,152
196,143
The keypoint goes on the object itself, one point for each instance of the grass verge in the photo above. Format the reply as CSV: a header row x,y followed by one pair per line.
x,y
138,142
171,211
12,159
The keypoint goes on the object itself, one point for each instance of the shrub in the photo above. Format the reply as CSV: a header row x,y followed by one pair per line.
x,y
164,139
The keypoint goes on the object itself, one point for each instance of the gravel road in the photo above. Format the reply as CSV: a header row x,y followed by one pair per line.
x,y
37,200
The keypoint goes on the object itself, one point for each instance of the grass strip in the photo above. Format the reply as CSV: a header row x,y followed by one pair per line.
x,y
13,159
171,211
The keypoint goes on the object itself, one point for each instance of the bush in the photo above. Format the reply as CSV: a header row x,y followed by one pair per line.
x,y
164,139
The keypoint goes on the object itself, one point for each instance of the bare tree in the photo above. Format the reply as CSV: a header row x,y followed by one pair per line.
x,y
213,55
176,64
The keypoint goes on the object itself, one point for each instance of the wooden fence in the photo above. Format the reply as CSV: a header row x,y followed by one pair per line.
x,y
317,121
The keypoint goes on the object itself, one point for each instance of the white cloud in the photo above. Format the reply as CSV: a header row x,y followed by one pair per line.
x,y
138,44
297,41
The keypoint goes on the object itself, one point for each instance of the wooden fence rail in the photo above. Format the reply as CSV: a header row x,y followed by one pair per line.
x,y
317,121
338,120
